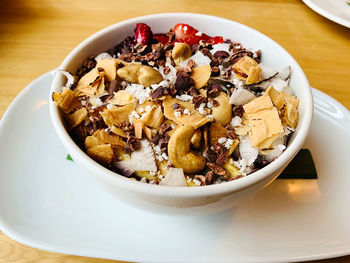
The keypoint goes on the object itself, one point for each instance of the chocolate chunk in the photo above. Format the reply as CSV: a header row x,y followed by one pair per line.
x,y
132,143
114,85
219,170
106,98
209,177
183,82
201,179
124,47
155,139
198,100
215,71
211,155
164,128
159,92
221,54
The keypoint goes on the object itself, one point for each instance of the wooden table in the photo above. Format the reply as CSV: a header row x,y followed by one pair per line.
x,y
36,35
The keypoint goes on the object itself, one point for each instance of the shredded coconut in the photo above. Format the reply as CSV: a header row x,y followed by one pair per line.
x,y
236,121
222,140
184,97
228,143
199,34
139,92
186,111
177,113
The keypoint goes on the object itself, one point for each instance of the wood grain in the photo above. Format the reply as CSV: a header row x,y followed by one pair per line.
x,y
36,35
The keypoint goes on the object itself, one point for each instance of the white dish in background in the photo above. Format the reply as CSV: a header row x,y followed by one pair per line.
x,y
336,10
48,203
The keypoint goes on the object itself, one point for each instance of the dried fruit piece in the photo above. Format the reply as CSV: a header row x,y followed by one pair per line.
x,y
264,120
75,118
105,138
89,83
101,153
109,67
247,69
66,101
216,131
138,127
117,115
201,75
122,98
153,118
118,131
195,119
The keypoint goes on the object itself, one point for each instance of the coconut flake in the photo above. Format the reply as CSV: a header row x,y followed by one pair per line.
x,y
247,152
236,121
198,58
103,56
284,73
267,72
174,177
241,96
70,78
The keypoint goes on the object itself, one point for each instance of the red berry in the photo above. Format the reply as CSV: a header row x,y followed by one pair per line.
x,y
143,34
184,31
161,38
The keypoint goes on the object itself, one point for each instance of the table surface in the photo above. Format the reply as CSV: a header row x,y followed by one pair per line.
x,y
36,35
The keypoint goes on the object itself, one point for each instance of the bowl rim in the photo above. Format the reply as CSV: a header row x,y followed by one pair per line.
x,y
156,190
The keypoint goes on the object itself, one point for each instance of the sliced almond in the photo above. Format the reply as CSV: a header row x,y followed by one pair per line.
x,y
153,118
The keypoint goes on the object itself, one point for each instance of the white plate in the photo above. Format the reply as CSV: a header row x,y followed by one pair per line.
x,y
336,10
47,203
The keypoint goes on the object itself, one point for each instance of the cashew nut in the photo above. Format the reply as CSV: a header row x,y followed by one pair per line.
x,y
181,52
196,139
140,74
222,113
179,151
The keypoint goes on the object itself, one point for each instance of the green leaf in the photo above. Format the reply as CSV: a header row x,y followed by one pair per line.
x,y
69,158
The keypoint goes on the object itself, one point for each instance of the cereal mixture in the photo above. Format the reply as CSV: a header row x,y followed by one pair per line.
x,y
180,109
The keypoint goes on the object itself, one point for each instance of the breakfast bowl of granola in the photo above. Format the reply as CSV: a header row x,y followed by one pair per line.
x,y
181,112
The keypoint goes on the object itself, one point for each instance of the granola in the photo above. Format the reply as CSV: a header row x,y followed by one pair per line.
x,y
181,108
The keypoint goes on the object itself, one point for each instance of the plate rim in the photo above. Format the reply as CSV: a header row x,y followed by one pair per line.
x,y
18,237
326,14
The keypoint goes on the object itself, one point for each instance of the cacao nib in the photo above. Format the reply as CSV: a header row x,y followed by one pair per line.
x,y
201,179
219,170
215,103
238,111
211,155
124,47
106,98
88,65
114,85
164,128
155,139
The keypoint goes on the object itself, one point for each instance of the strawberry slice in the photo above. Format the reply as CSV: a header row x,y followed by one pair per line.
x,y
183,31
161,38
142,34
194,39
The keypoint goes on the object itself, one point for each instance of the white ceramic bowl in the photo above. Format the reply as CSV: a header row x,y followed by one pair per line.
x,y
187,200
